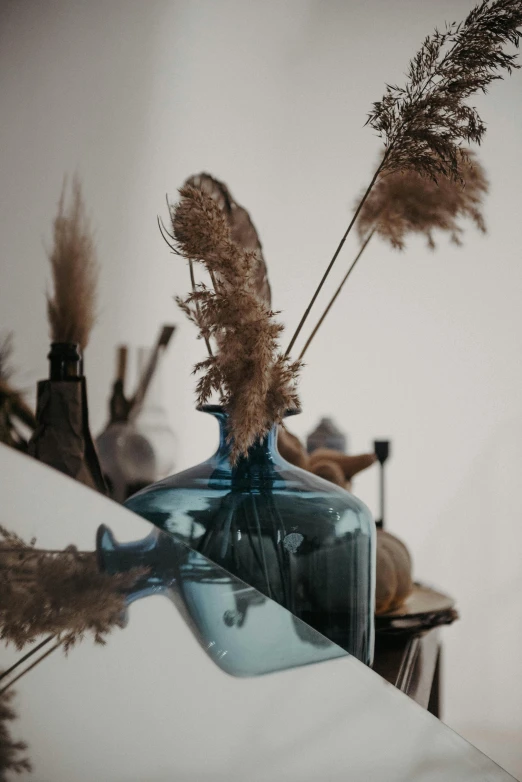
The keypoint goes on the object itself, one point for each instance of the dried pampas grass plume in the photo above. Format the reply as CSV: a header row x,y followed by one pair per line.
x,y
255,382
72,307
407,202
59,593
424,124
12,759
13,409
242,229
403,203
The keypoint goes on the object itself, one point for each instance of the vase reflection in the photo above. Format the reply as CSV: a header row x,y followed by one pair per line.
x,y
244,632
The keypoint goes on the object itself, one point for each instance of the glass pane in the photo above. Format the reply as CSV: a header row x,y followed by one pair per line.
x,y
153,705
243,632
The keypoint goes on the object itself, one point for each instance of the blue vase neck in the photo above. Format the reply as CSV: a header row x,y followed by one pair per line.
x,y
262,453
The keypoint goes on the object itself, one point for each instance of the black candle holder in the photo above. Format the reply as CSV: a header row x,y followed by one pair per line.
x,y
382,452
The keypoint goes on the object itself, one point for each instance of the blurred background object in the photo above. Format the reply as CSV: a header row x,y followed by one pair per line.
x,y
137,446
326,435
17,420
148,450
62,438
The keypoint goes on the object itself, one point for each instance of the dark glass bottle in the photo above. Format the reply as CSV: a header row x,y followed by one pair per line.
x,y
62,438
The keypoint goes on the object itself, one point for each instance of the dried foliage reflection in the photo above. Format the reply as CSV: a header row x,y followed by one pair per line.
x,y
12,757
61,593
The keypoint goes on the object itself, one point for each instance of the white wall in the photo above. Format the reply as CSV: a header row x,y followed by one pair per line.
x,y
423,348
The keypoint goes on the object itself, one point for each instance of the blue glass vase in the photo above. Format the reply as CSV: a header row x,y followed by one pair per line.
x,y
242,631
301,541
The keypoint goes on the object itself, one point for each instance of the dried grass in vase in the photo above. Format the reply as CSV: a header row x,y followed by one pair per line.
x,y
425,124
72,307
255,382
404,203
242,230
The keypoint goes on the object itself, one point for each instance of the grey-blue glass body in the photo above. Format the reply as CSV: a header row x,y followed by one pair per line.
x,y
294,537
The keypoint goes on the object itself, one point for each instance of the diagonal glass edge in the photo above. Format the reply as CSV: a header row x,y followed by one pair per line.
x,y
244,632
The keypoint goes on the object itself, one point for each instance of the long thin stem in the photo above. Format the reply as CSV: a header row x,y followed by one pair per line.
x,y
382,495
193,283
336,253
26,657
213,279
261,544
30,667
164,233
387,153
336,294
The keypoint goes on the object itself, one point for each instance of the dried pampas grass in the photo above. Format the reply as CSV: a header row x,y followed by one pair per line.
x,y
242,230
59,593
13,409
255,382
403,203
12,759
72,307
424,124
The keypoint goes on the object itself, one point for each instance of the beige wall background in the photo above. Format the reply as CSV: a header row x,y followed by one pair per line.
x,y
423,348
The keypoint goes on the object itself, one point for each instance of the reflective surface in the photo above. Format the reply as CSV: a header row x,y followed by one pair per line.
x,y
241,630
299,540
152,706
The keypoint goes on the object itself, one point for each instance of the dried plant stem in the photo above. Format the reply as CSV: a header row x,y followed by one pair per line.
x,y
33,665
26,656
164,234
336,294
214,280
198,310
424,123
335,255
